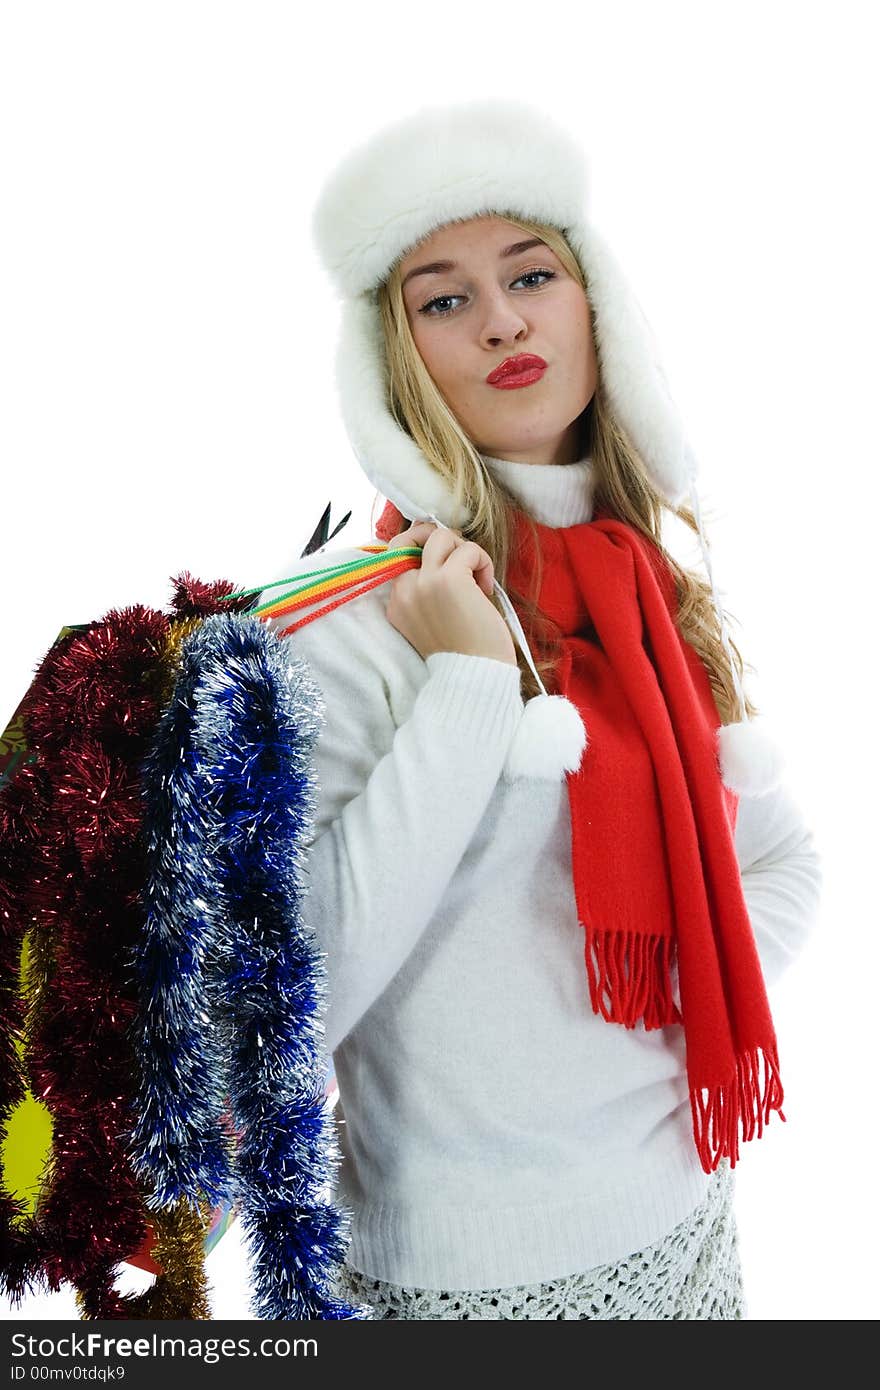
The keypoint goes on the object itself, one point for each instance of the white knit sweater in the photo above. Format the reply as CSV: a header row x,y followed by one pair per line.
x,y
494,1130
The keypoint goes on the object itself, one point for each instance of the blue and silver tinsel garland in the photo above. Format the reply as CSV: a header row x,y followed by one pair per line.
x,y
231,981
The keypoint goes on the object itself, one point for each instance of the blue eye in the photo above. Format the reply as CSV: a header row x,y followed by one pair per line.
x,y
438,299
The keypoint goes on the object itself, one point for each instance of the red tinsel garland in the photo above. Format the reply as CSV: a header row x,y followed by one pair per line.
x,y
88,715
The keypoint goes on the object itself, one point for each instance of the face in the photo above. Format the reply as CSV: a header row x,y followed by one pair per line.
x,y
491,305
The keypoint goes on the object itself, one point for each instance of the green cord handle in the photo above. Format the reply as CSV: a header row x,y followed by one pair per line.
x,y
312,575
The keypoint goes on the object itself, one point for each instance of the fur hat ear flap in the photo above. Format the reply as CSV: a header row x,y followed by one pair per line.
x,y
751,764
550,740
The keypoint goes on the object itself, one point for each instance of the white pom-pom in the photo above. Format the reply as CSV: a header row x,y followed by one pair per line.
x,y
549,741
751,764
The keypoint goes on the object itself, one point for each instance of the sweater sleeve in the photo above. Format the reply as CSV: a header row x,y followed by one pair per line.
x,y
781,877
396,806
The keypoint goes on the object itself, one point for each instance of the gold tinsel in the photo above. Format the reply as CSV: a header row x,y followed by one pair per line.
x,y
178,631
181,1290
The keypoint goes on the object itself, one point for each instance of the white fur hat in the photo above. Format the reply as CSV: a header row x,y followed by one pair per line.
x,y
462,161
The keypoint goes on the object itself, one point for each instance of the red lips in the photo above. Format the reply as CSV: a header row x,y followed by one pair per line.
x,y
522,362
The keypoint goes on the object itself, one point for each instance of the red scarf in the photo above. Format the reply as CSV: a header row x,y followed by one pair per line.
x,y
656,876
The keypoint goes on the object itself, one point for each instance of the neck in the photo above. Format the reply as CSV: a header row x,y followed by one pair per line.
x,y
555,494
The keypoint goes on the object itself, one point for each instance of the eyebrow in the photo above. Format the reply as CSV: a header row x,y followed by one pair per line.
x,y
436,266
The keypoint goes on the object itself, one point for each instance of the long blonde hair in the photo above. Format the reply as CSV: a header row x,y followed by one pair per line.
x,y
621,488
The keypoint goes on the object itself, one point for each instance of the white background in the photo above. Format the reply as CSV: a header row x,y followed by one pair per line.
x,y
168,401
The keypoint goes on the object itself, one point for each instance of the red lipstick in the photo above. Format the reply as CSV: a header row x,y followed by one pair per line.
x,y
520,370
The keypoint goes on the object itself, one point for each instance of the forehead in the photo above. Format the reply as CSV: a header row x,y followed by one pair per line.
x,y
485,231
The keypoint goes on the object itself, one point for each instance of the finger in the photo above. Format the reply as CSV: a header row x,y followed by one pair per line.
x,y
438,546
478,562
416,534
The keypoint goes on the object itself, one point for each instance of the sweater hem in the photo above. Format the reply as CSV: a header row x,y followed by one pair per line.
x,y
469,1248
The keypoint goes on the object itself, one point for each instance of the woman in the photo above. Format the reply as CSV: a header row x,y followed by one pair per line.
x,y
508,1149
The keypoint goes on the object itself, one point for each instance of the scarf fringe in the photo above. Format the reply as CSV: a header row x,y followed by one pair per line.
x,y
718,1111
630,978
634,970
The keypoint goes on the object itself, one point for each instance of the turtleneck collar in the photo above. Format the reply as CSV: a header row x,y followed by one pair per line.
x,y
555,494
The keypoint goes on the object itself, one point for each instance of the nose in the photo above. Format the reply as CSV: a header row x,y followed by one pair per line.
x,y
497,333
502,320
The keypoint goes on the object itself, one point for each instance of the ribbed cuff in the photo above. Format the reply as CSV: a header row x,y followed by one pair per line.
x,y
478,696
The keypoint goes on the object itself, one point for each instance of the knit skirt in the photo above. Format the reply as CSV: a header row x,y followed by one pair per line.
x,y
693,1272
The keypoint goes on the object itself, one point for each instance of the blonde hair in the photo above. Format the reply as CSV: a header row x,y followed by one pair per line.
x,y
621,488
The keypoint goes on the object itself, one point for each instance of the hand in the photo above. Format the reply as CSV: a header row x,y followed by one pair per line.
x,y
445,605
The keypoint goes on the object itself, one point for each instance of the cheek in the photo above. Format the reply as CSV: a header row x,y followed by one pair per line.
x,y
421,338
585,346
437,351
569,322
590,353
